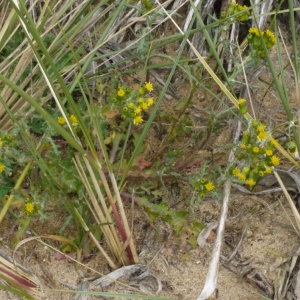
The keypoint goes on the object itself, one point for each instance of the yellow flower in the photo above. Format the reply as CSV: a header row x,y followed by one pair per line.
x,y
256,31
243,17
1,142
262,135
149,86
233,5
137,120
235,171
150,101
255,149
243,146
144,105
138,110
271,36
242,106
243,7
241,176
261,127
29,207
61,120
2,168
269,152
73,120
251,182
209,186
274,142
275,160
121,92
268,170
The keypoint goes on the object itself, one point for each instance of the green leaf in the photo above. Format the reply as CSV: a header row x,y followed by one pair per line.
x,y
151,214
156,193
181,214
5,186
193,241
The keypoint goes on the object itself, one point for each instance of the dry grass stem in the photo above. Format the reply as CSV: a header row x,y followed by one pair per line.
x,y
290,201
212,273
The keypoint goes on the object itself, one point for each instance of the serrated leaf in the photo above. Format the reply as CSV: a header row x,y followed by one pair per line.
x,y
156,193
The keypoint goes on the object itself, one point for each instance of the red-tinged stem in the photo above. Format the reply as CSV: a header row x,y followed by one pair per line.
x,y
19,280
116,215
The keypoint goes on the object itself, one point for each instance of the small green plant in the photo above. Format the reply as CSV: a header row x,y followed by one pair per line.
x,y
12,158
258,154
187,229
24,219
202,183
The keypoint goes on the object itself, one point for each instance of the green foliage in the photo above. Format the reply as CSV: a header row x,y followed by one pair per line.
x,y
11,155
257,152
60,162
96,112
177,219
171,157
14,42
131,104
203,182
259,40
6,185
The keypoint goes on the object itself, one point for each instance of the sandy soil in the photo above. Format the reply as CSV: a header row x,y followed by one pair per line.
x,y
264,247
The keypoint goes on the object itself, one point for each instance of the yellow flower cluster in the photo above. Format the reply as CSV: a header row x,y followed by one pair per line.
x,y
73,120
270,36
257,39
241,11
256,150
132,104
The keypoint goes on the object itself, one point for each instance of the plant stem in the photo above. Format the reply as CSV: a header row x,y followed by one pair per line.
x,y
16,187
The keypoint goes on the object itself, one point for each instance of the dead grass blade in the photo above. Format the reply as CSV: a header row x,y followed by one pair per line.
x,y
290,201
212,273
18,277
102,213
